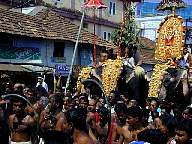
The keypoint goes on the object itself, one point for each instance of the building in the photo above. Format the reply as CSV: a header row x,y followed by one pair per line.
x,y
46,39
106,19
149,18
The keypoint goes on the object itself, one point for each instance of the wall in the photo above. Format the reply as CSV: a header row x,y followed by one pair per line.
x,y
99,29
103,14
119,10
4,6
149,26
68,53
31,50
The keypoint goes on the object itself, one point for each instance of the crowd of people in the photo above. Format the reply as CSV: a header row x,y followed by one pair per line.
x,y
36,115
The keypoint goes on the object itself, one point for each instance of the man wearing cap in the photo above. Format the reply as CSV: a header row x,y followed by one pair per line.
x,y
40,82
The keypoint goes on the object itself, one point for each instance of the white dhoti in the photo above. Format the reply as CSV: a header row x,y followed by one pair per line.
x,y
29,142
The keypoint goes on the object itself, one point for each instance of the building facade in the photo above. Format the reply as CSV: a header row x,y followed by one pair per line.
x,y
107,19
46,39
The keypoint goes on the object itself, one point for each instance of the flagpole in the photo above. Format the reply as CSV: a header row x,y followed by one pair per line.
x,y
74,53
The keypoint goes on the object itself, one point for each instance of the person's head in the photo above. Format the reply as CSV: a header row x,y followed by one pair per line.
x,y
103,55
187,113
132,103
40,80
185,50
18,88
55,101
183,131
152,136
134,115
112,97
75,120
128,52
166,124
101,102
30,94
153,105
110,54
92,105
19,105
66,102
83,101
121,110
125,97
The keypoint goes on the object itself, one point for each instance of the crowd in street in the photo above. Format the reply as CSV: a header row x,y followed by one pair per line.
x,y
37,115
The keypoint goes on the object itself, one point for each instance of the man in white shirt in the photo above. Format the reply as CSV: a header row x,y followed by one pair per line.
x,y
40,81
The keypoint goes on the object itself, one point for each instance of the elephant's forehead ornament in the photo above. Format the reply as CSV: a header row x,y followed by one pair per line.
x,y
110,74
111,70
169,47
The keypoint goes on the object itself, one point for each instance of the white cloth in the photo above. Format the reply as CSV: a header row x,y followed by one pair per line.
x,y
129,62
29,142
44,85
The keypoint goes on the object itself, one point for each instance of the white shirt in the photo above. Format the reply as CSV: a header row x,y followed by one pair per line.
x,y
130,62
44,85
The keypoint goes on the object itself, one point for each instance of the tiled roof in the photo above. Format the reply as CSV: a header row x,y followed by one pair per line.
x,y
48,25
148,50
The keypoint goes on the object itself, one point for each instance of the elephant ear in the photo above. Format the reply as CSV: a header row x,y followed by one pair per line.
x,y
94,85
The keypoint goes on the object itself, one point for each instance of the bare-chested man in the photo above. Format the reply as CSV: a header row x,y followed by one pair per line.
x,y
134,126
20,123
52,121
76,125
91,119
120,121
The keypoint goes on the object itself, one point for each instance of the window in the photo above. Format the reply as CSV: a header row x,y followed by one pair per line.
x,y
105,35
85,25
109,36
112,8
58,49
142,32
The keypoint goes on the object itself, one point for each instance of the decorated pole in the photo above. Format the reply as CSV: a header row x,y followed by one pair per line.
x,y
94,4
125,20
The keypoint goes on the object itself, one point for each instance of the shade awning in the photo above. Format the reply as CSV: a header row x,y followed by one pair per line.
x,y
12,67
34,68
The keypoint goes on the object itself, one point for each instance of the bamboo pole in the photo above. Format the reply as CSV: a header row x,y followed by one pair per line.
x,y
74,53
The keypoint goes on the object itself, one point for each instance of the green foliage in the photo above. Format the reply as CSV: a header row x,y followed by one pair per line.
x,y
130,33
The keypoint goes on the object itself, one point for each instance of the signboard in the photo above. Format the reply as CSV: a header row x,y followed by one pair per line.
x,y
21,50
62,69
